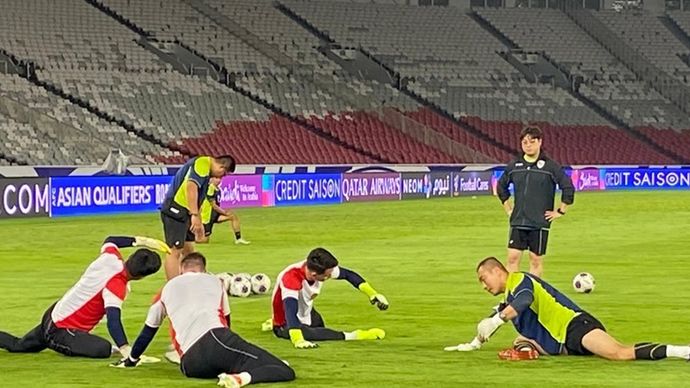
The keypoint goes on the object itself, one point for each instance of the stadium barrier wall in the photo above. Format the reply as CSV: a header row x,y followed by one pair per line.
x,y
60,196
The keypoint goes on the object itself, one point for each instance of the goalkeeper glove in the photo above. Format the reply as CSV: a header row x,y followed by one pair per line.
x,y
374,297
125,350
476,344
298,340
487,327
151,243
127,362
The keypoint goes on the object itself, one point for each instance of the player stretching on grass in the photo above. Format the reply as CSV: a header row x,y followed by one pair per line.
x,y
212,213
294,315
65,327
197,306
550,323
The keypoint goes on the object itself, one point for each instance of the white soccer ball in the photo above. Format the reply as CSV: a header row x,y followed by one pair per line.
x,y
583,282
261,284
226,279
244,275
240,287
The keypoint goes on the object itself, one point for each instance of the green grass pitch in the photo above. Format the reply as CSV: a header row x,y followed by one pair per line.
x,y
420,254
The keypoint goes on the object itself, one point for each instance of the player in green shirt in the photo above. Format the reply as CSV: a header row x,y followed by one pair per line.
x,y
551,323
180,212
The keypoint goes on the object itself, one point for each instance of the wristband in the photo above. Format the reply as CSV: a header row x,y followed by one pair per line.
x,y
561,212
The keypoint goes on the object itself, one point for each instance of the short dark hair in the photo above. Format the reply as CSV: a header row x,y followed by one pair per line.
x,y
142,263
192,259
320,260
531,131
227,161
491,262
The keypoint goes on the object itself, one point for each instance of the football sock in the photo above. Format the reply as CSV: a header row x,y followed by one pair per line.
x,y
678,351
649,351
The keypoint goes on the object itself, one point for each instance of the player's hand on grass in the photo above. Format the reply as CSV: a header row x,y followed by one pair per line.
x,y
476,344
267,325
297,339
304,344
125,350
126,362
380,301
151,243
487,327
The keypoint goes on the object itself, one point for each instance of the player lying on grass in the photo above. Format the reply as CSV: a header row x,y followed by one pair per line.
x,y
294,315
212,213
197,306
66,325
550,323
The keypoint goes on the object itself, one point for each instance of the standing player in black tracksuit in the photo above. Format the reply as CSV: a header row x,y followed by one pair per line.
x,y
534,177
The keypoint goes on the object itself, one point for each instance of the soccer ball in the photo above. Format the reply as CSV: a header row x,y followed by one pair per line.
x,y
583,282
261,283
245,275
226,279
240,287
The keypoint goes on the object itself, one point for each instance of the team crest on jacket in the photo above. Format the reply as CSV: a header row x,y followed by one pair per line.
x,y
540,164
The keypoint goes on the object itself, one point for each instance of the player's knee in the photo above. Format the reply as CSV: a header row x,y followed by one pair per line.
x,y
513,260
102,350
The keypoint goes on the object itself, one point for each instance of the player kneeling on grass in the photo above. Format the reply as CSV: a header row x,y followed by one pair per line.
x,y
212,213
65,327
294,315
550,323
197,305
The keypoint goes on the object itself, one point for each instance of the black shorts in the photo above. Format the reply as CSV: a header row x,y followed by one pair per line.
x,y
577,329
222,351
208,227
533,239
177,231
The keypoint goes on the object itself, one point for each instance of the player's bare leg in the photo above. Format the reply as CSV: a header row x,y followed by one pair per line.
x,y
513,260
172,263
603,345
536,264
235,225
172,260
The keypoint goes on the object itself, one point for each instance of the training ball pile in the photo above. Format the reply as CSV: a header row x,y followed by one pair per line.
x,y
583,283
243,284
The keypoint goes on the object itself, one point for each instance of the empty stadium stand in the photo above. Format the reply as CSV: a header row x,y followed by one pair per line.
x,y
94,79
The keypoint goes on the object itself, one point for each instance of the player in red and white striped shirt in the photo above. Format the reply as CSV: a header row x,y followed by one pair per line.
x,y
66,326
199,313
294,315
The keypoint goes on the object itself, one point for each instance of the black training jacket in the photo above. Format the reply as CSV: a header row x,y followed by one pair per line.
x,y
534,186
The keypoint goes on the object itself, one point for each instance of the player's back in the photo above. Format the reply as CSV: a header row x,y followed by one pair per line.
x,y
195,303
82,307
547,318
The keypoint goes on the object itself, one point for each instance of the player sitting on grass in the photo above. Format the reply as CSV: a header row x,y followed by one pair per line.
x,y
197,305
294,315
66,326
550,323
212,213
